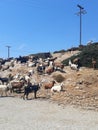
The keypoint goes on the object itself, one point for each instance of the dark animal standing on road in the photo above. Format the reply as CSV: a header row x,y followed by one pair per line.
x,y
30,89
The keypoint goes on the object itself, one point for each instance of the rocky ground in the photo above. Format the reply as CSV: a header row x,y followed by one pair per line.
x,y
62,110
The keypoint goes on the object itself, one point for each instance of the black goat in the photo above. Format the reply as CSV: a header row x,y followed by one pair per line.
x,y
30,89
4,80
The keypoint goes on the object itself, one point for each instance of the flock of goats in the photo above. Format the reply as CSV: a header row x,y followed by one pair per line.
x,y
25,83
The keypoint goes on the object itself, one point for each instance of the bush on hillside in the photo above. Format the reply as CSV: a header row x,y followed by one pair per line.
x,y
61,51
59,78
43,55
86,55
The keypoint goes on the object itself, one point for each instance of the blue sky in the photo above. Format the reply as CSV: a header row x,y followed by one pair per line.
x,y
33,26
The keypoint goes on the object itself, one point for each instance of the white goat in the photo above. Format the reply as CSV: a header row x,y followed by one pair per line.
x,y
73,66
31,72
31,64
4,88
57,88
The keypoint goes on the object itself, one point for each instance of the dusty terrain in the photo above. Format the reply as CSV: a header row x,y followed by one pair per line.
x,y
39,114
74,108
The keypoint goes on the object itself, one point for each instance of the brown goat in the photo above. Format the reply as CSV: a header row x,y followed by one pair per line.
x,y
49,70
58,65
17,85
49,85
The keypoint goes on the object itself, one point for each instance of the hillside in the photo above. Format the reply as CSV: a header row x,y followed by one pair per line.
x,y
86,55
80,87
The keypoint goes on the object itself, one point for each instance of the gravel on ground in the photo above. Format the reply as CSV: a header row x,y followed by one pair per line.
x,y
40,114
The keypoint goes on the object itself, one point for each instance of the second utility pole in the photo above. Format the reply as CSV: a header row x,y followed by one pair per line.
x,y
8,51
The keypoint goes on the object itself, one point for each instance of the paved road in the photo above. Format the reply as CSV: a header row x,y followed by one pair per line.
x,y
18,114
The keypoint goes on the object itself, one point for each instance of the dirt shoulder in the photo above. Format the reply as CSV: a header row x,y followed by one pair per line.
x,y
40,114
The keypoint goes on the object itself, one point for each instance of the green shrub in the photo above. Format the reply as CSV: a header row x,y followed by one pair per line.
x,y
87,53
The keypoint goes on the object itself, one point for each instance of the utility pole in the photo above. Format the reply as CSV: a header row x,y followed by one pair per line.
x,y
8,47
81,11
